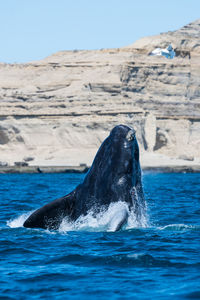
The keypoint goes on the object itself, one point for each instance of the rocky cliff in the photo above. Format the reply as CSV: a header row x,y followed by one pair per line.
x,y
58,110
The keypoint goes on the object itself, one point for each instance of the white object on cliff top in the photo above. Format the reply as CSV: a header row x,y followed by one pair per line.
x,y
167,52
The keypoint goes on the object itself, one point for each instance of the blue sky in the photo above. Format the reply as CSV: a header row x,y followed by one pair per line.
x,y
34,29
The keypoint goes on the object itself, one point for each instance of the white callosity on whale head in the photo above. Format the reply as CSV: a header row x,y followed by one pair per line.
x,y
131,135
121,180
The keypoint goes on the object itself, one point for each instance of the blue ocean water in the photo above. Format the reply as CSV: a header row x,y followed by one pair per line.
x,y
160,260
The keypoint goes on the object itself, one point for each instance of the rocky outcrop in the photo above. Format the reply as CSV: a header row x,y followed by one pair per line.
x,y
58,110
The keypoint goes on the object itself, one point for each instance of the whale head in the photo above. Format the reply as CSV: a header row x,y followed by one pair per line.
x,y
115,174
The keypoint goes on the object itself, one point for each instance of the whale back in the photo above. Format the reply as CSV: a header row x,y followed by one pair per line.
x,y
51,215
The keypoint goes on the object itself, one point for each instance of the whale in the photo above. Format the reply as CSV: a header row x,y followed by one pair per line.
x,y
115,175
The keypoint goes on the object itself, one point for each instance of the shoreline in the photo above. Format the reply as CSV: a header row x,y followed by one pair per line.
x,y
84,168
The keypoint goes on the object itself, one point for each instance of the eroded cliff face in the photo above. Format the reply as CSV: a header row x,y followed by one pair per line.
x,y
57,111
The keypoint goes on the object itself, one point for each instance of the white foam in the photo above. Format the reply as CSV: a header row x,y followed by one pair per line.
x,y
178,227
19,221
134,222
106,220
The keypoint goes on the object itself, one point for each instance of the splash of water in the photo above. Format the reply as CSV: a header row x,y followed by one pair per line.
x,y
179,227
138,216
106,220
19,221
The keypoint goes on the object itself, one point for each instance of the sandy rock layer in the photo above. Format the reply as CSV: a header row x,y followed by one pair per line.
x,y
57,111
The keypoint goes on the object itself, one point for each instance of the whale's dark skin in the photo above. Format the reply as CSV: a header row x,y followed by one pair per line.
x,y
115,175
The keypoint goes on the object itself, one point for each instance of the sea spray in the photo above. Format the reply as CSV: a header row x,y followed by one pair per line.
x,y
19,221
105,220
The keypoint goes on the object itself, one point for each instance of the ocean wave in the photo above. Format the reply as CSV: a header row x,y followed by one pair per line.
x,y
16,251
179,227
124,260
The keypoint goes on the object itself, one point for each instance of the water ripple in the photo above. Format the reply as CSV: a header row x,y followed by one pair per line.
x,y
86,260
